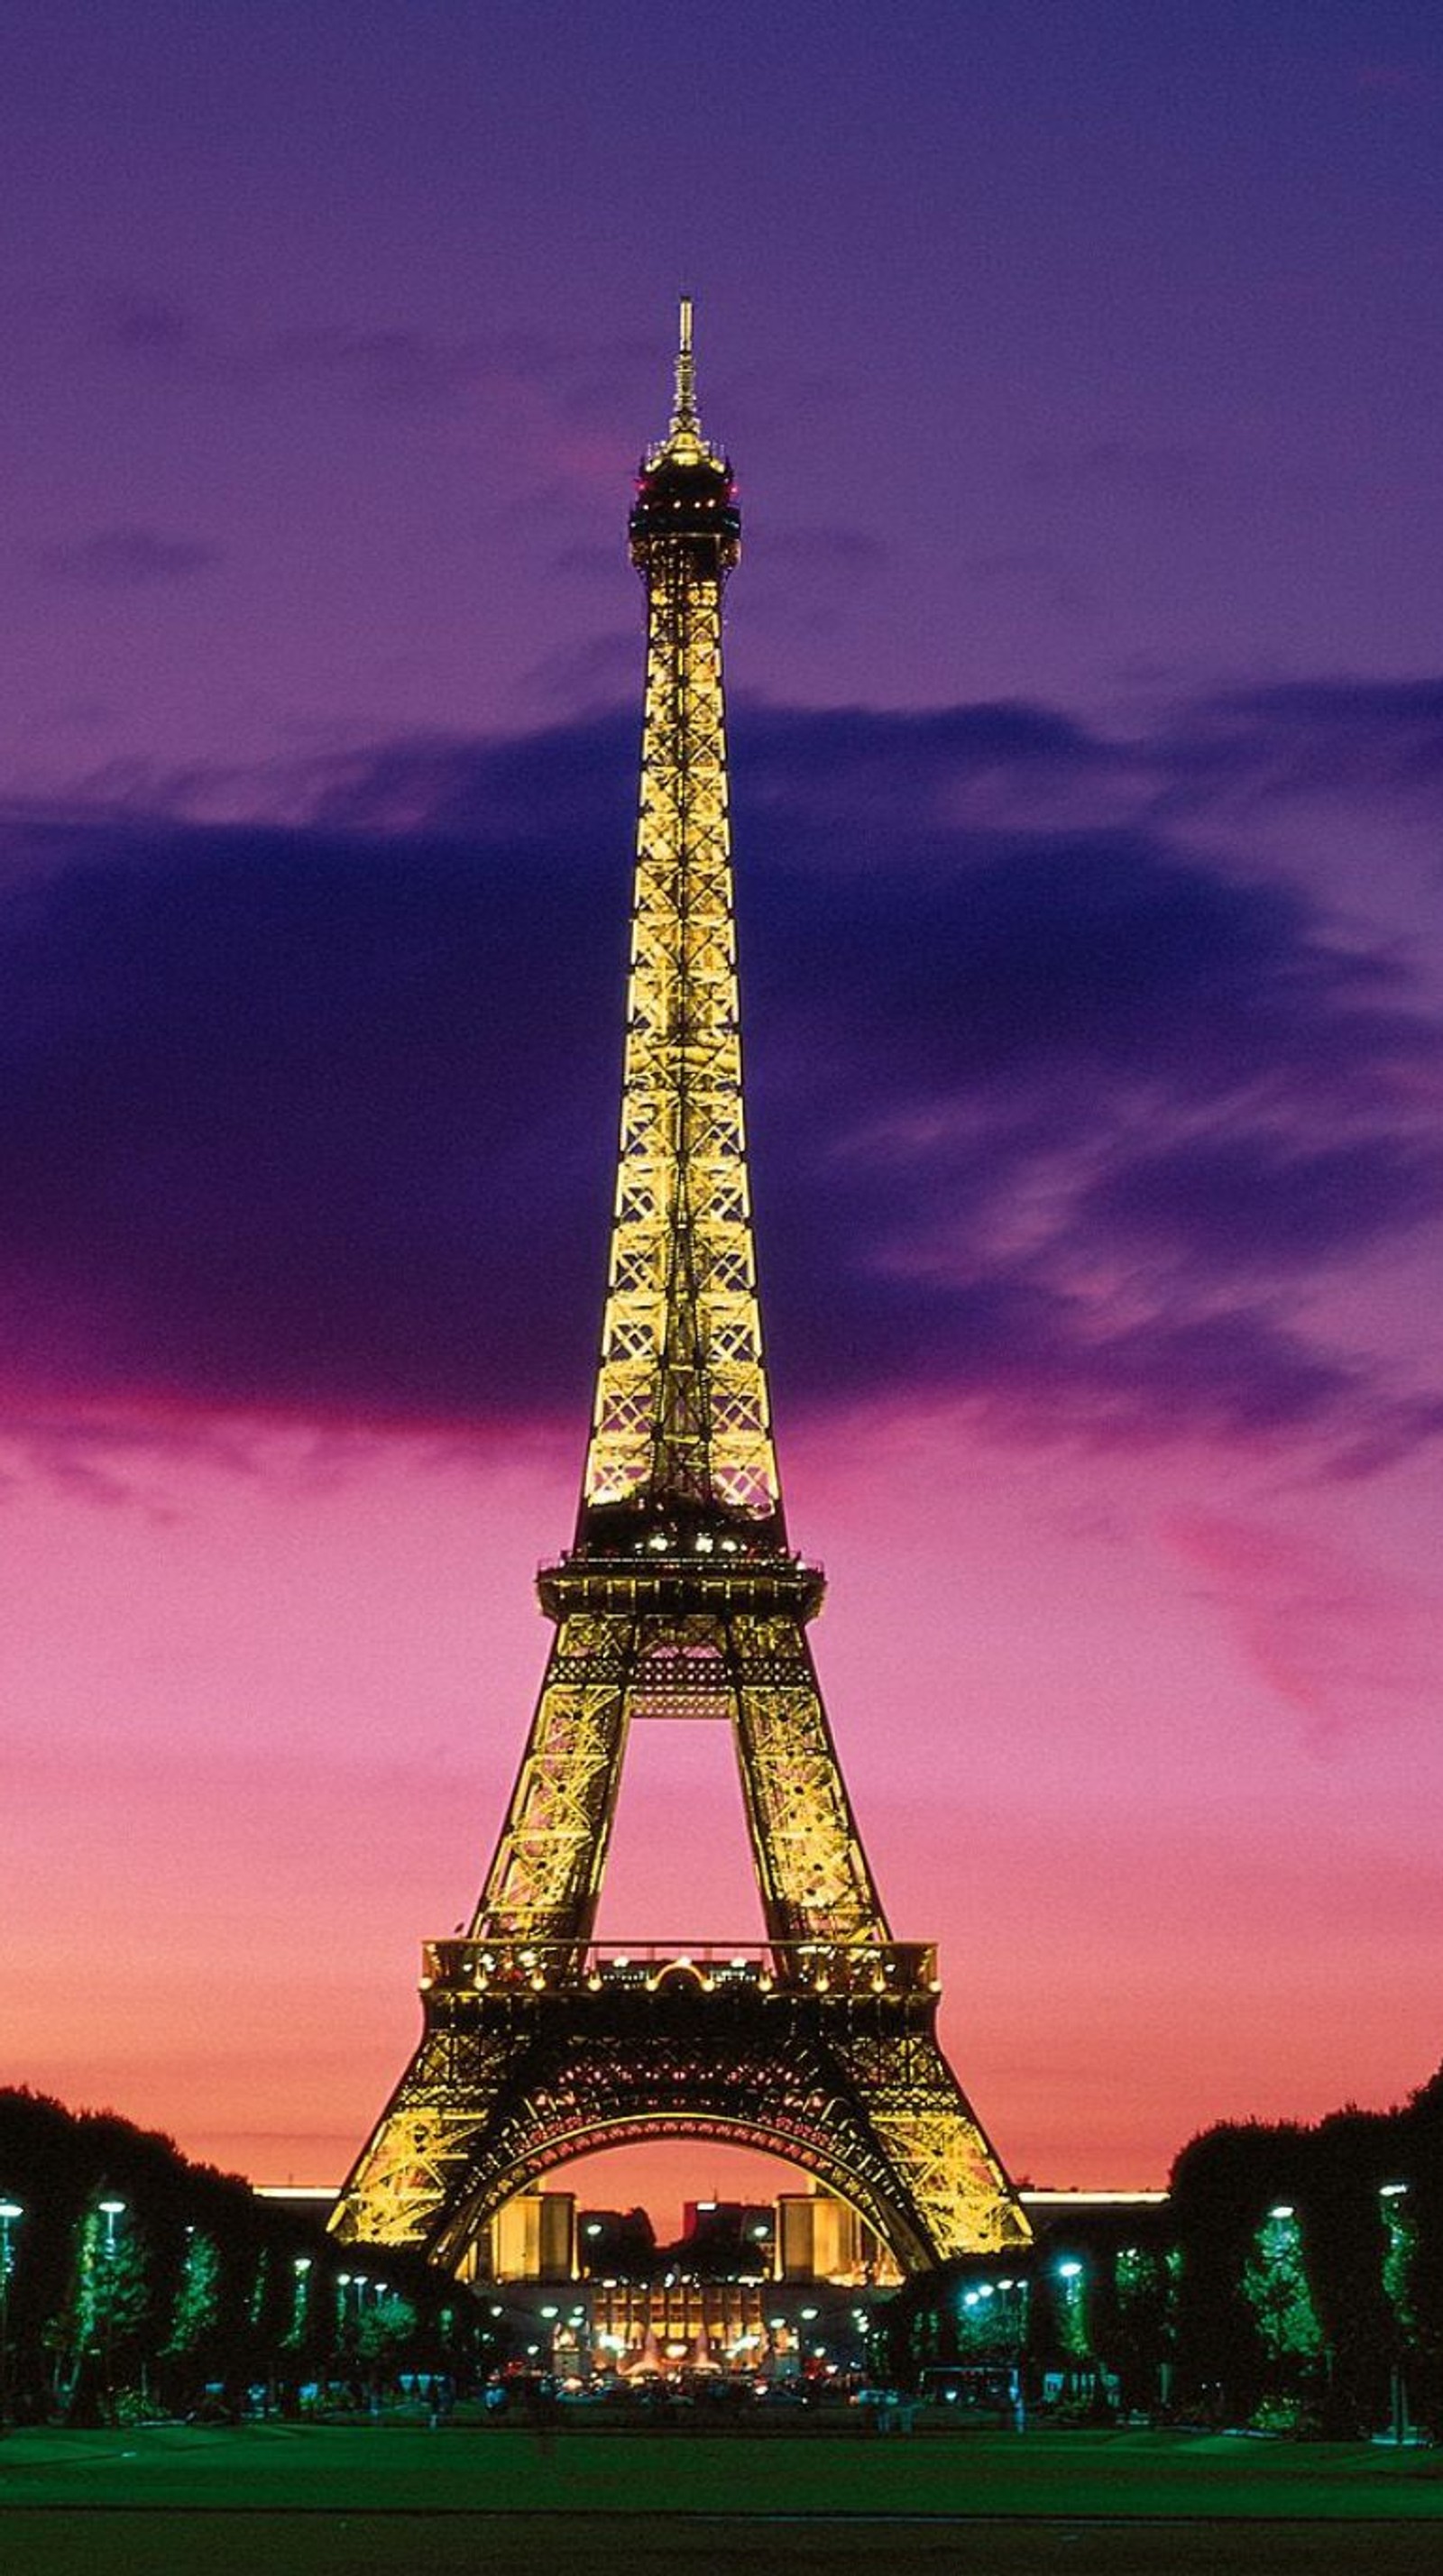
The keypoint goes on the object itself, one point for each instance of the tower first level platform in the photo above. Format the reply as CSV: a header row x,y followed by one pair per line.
x,y
821,2054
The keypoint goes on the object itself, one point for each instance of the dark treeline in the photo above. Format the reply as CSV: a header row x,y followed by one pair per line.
x,y
1292,2281
138,2278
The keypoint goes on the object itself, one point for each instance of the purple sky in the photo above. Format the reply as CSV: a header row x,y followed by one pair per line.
x,y
1082,370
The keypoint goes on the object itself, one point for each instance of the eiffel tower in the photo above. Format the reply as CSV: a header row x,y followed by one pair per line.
x,y
680,1596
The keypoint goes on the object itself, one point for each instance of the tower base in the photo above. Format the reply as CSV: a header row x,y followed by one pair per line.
x,y
823,2054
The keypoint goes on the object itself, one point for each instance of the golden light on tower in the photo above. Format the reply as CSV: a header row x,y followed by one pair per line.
x,y
680,1595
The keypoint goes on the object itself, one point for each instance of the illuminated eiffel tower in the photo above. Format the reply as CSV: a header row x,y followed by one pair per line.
x,y
680,1596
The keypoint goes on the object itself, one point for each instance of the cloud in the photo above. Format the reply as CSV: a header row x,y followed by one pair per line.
x,y
131,558
1348,1648
550,411
1040,573
402,365
589,673
149,327
539,389
1067,1120
1256,1199
381,365
1140,470
1305,740
847,553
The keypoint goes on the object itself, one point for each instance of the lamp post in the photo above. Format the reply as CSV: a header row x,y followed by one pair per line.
x,y
1395,2281
1074,2330
110,2210
10,2210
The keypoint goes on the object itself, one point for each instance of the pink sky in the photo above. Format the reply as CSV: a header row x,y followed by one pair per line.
x,y
1148,1752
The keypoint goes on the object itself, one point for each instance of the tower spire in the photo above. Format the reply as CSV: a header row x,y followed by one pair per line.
x,y
684,418
682,1419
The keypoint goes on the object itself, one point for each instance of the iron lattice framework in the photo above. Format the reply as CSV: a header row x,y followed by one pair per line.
x,y
680,1596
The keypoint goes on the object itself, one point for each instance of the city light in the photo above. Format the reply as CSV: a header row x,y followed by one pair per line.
x,y
110,2210
10,2210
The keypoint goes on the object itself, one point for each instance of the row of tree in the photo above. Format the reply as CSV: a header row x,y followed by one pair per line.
x,y
1311,2266
131,2275
1294,2277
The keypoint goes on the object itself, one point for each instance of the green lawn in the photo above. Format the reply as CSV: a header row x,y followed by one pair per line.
x,y
346,2501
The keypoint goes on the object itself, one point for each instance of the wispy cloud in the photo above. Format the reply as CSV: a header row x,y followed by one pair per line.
x,y
1139,468
131,558
565,405
1345,1646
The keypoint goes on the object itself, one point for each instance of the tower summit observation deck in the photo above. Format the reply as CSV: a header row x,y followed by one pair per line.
x,y
680,1596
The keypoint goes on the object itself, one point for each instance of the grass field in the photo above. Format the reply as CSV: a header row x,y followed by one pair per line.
x,y
276,2500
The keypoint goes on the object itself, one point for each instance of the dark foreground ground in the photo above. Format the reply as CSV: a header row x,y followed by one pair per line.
x,y
272,2500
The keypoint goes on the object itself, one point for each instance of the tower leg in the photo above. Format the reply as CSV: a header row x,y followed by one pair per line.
x,y
810,1863
543,1882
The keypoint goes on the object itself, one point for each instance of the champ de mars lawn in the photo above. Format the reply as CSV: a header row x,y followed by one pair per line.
x,y
345,2501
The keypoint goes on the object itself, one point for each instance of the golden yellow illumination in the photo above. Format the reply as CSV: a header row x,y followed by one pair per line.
x,y
681,1598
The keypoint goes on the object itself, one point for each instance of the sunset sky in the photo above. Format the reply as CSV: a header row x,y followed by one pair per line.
x,y
1082,370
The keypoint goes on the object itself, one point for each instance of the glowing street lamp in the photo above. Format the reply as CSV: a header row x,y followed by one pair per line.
x,y
1070,2274
301,2268
1397,2263
10,2210
110,2210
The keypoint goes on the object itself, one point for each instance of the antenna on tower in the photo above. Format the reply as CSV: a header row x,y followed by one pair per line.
x,y
685,415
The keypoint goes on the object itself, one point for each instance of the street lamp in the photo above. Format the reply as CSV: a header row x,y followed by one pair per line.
x,y
10,2210
1396,2266
1073,2334
110,2210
